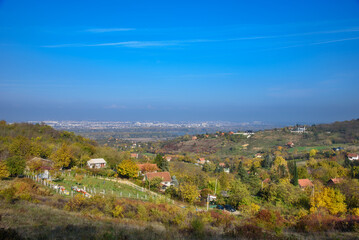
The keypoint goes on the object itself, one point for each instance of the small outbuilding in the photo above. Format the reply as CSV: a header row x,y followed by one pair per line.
x,y
97,163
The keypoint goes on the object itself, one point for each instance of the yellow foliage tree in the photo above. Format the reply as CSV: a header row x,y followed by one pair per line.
x,y
188,192
127,168
278,161
313,152
329,199
3,170
63,156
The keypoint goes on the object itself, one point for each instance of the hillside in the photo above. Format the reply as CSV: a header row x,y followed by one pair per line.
x,y
227,144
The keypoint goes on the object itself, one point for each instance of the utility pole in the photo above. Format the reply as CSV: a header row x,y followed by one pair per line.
x,y
207,201
215,188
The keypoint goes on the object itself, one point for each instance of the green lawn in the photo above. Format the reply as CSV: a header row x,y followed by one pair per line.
x,y
94,185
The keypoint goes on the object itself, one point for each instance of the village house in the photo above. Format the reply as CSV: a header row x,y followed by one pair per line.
x,y
222,164
258,155
194,138
304,183
299,130
146,168
165,176
353,156
202,161
96,163
290,144
134,155
334,181
168,158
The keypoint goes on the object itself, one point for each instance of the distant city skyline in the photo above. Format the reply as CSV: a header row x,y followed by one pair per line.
x,y
239,61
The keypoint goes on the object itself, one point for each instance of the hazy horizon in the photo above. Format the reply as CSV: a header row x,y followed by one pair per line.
x,y
238,61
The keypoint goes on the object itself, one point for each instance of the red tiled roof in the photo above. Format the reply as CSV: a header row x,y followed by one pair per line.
x,y
222,164
166,177
147,167
267,180
305,183
352,155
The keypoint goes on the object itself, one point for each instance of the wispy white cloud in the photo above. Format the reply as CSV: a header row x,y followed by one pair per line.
x,y
314,43
349,30
105,30
133,44
144,44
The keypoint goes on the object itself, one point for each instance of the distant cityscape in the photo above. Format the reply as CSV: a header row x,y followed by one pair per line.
x,y
103,125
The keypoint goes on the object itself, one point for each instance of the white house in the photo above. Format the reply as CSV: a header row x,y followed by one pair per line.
x,y
353,156
96,163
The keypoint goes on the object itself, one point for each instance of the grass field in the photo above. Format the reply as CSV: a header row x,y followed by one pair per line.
x,y
95,185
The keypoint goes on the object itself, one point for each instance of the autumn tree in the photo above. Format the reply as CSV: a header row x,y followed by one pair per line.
x,y
127,168
329,199
148,167
312,152
3,170
188,192
20,146
63,156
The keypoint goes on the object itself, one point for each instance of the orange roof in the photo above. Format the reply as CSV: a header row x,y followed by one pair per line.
x,y
222,164
166,177
147,167
352,155
267,180
305,183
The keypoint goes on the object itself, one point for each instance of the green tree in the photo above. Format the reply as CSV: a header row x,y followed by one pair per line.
x,y
267,161
161,162
127,168
154,184
242,173
295,175
238,194
15,165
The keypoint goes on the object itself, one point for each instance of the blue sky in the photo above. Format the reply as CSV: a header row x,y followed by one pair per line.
x,y
272,61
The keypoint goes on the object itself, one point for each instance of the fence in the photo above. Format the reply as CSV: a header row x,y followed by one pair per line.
x,y
88,191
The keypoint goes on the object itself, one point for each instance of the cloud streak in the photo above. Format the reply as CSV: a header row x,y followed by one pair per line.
x,y
134,44
144,44
106,30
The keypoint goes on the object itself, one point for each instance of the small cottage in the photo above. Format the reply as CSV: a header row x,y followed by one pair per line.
x,y
97,163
